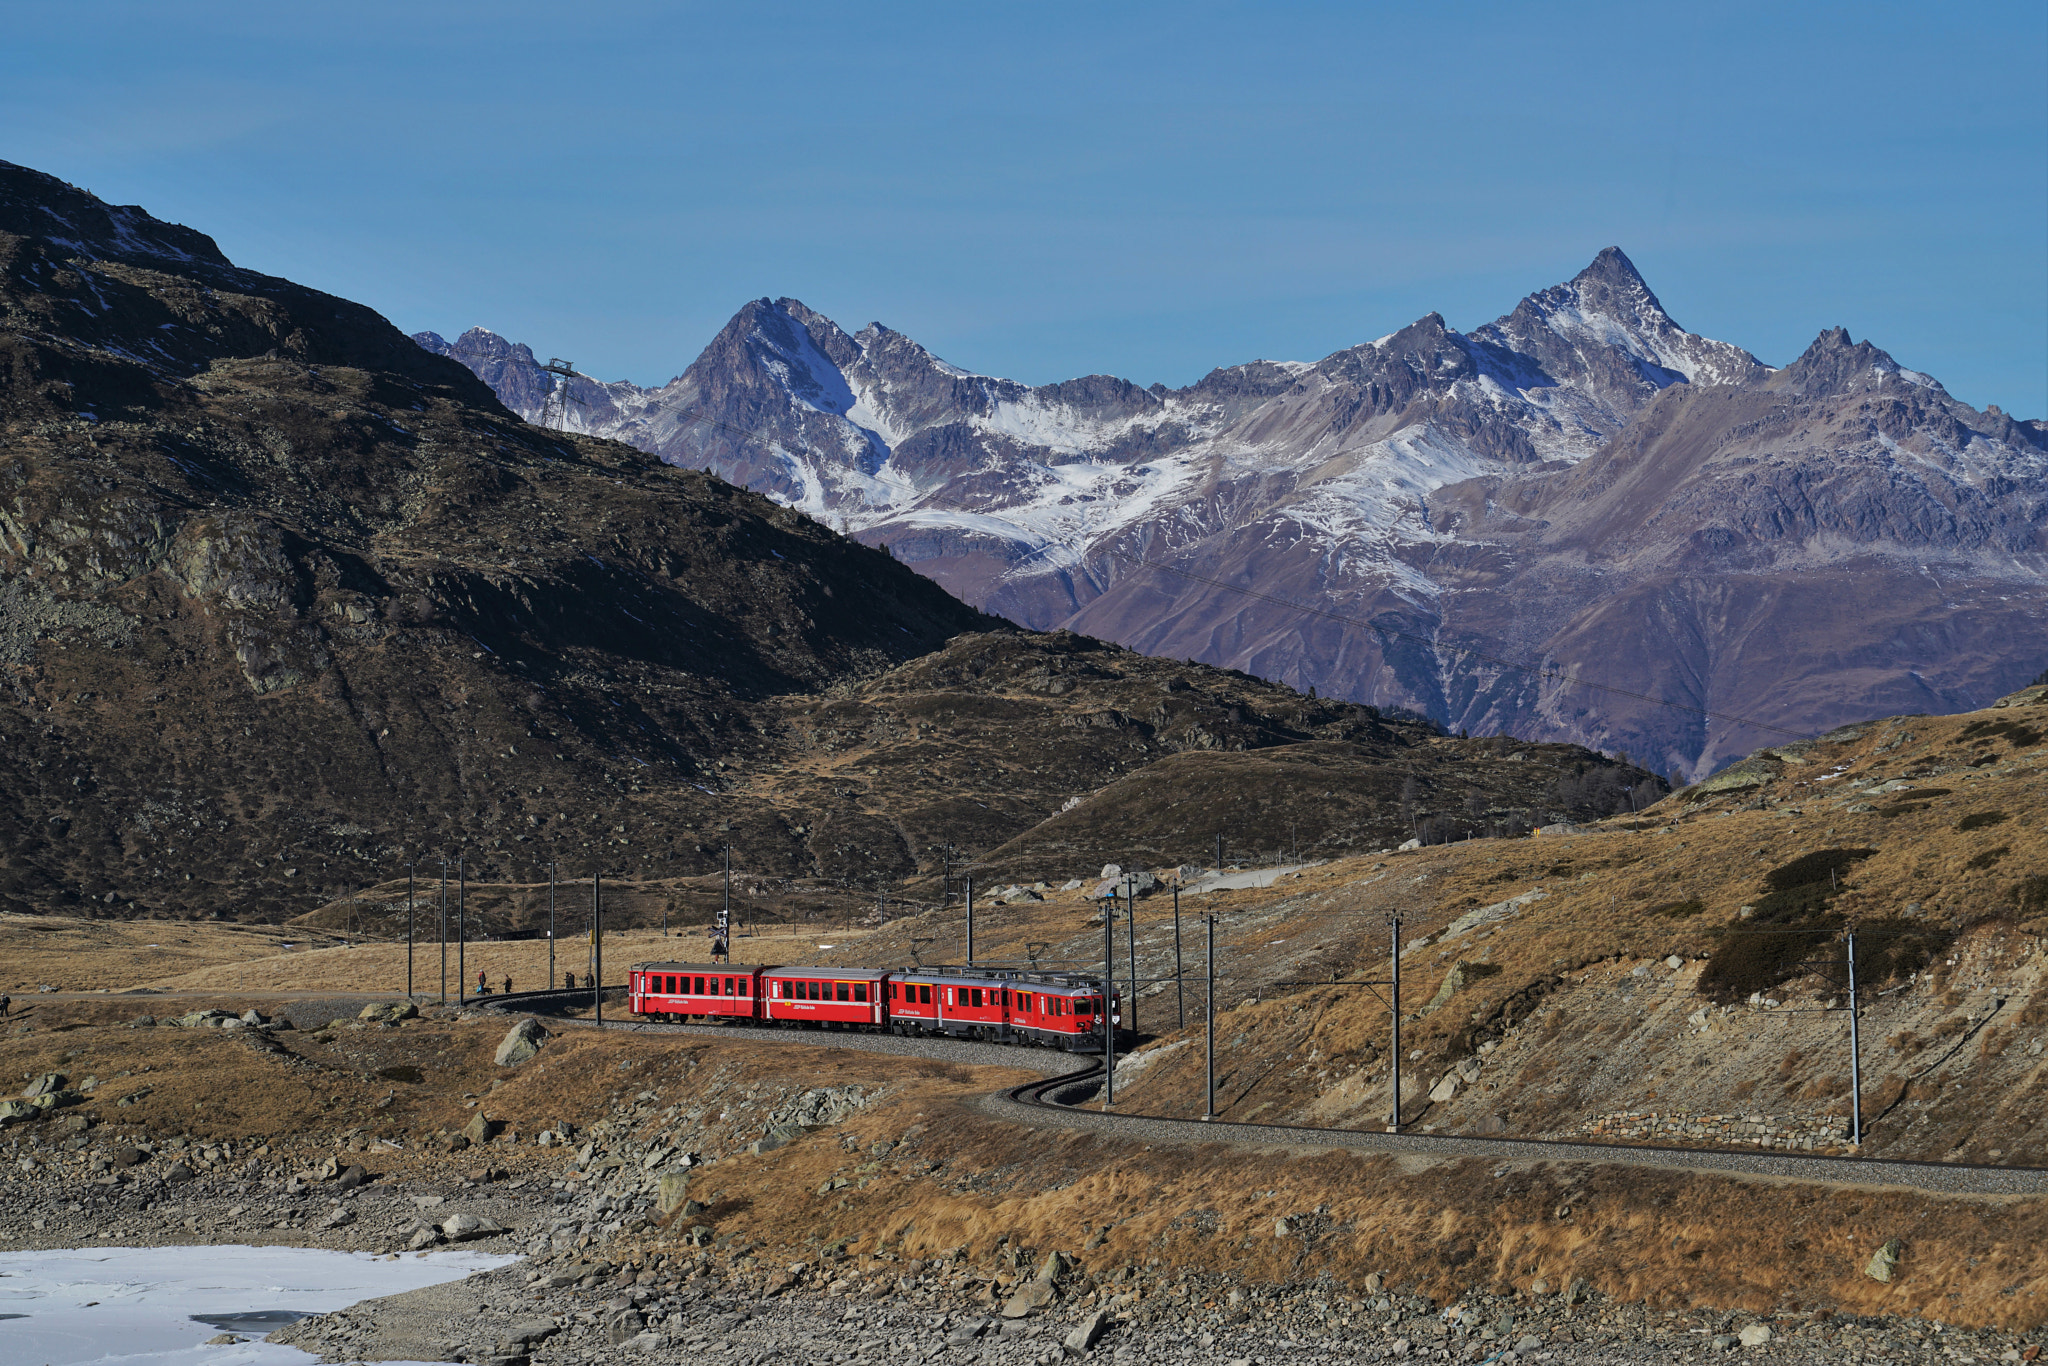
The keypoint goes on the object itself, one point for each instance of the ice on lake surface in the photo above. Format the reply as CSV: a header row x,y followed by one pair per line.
x,y
156,1306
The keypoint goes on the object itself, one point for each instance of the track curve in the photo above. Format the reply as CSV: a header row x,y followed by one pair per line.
x,y
1036,1103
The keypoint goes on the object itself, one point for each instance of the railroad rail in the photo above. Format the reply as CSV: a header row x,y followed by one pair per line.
x,y
1050,1102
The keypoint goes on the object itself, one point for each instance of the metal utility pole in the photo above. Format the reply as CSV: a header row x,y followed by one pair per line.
x,y
881,900
1397,1024
1108,990
563,371
408,930
597,943
1180,985
461,927
725,907
551,926
970,921
1855,1056
443,922
1209,1004
1131,959
1219,851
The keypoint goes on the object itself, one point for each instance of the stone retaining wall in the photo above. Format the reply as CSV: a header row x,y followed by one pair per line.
x,y
1816,1133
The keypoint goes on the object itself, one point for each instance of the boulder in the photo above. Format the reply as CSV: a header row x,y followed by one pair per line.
x,y
480,1129
388,1012
530,1333
1034,1294
15,1111
520,1043
338,1216
350,1179
1110,870
46,1085
178,1174
1884,1261
422,1237
625,1327
1756,1335
1445,1089
1087,1333
458,1228
671,1191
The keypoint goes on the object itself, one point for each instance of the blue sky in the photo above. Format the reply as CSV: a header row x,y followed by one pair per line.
x,y
1050,190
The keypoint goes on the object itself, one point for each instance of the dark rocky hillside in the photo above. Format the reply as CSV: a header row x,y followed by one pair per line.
x,y
286,601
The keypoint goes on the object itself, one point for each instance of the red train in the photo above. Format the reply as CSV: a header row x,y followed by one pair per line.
x,y
1048,1009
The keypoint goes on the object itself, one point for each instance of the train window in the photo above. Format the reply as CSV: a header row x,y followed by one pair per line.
x,y
949,996
860,991
924,996
817,995
728,986
974,996
746,986
839,991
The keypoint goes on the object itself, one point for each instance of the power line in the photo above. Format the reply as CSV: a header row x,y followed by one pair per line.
x,y
1537,671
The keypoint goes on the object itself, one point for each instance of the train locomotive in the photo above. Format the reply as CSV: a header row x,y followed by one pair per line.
x,y
1042,1009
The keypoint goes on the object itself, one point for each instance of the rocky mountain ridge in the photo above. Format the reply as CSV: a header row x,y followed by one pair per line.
x,y
288,606
1459,513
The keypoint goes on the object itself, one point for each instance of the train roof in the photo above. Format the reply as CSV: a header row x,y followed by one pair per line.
x,y
975,977
722,969
839,974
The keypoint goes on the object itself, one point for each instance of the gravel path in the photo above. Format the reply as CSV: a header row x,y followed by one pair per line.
x,y
1037,1105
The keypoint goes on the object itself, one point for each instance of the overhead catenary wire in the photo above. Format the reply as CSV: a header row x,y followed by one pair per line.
x,y
1538,671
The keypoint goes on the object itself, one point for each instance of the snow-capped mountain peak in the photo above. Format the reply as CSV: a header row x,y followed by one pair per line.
x,y
1491,487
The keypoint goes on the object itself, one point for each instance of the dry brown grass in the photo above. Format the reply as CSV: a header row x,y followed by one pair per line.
x,y
91,955
1665,1237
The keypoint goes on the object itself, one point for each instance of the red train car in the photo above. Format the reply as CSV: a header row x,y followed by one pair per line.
x,y
1058,1010
821,996
676,991
1042,1008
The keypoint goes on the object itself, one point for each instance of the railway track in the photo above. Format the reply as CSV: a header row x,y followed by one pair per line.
x,y
1050,1102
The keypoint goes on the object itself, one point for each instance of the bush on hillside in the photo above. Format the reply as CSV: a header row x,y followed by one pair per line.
x,y
1978,820
1814,867
1894,946
1786,929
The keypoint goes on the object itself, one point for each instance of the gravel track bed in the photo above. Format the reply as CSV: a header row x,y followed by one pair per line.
x,y
1023,1106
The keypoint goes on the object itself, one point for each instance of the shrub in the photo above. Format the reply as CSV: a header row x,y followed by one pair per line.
x,y
1747,961
1979,820
1893,946
1813,867
1788,923
2030,894
1989,857
2022,735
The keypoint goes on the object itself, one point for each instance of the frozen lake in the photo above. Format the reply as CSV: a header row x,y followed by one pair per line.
x,y
136,1306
